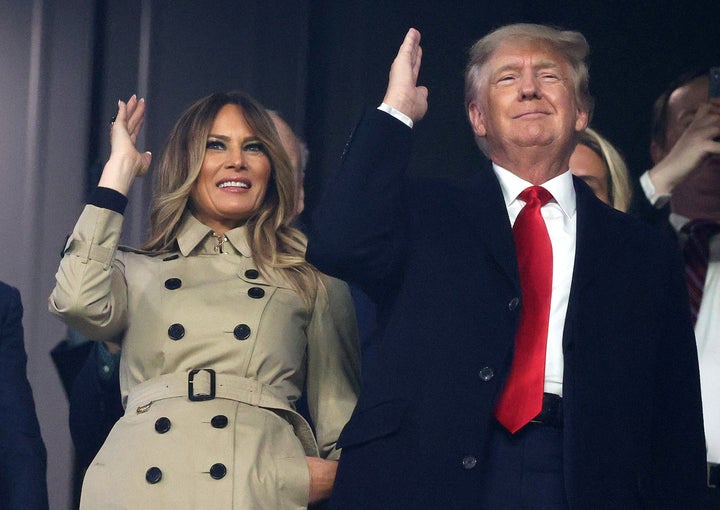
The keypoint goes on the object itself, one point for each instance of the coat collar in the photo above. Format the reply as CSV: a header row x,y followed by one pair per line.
x,y
194,235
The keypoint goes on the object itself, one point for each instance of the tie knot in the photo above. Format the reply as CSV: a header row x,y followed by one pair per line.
x,y
701,229
535,193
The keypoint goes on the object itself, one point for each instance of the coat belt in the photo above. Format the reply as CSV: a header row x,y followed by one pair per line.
x,y
204,384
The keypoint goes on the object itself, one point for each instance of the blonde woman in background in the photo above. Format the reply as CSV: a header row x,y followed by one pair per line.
x,y
601,166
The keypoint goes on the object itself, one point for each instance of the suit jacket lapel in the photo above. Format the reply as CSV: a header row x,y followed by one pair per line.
x,y
480,204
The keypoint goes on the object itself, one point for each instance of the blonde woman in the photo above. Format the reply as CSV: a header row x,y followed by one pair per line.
x,y
221,320
601,166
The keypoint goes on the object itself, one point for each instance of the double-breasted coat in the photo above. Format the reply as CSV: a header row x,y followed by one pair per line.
x,y
439,258
214,356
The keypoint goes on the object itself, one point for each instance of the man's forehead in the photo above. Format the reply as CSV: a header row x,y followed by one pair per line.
x,y
688,98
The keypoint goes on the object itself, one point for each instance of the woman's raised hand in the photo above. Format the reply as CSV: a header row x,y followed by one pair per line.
x,y
125,162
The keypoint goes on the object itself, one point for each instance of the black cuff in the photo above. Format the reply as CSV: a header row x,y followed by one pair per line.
x,y
108,198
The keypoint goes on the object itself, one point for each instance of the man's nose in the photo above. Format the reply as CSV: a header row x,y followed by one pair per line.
x,y
529,88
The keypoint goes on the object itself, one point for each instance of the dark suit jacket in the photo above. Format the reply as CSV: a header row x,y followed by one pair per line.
x,y
439,255
23,468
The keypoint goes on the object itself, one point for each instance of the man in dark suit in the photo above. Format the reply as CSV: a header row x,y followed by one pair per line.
x,y
23,465
536,350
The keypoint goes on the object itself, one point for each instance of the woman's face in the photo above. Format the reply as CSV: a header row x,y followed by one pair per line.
x,y
234,175
586,164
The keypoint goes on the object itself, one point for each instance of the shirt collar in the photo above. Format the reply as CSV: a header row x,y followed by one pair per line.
x,y
193,233
561,187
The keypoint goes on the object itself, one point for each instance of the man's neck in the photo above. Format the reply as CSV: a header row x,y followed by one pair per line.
x,y
533,165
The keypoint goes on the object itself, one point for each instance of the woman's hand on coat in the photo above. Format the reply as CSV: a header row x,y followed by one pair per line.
x,y
125,162
322,478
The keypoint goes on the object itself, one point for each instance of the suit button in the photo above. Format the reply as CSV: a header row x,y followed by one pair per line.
x,y
513,304
469,462
486,373
219,422
242,331
173,283
153,475
171,257
217,471
251,274
162,425
176,331
256,292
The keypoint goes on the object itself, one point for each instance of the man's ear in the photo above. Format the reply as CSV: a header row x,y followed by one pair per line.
x,y
476,119
657,153
581,121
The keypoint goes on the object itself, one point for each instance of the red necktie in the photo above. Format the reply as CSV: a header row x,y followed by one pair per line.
x,y
521,398
696,253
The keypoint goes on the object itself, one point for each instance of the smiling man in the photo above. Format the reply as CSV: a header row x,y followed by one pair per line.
x,y
531,356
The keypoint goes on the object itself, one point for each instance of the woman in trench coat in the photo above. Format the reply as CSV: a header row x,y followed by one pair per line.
x,y
222,322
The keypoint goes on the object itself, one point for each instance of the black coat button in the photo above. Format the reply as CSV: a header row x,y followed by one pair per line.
x,y
176,331
242,331
513,304
217,471
469,462
256,292
162,425
219,422
173,283
153,475
486,373
171,257
252,274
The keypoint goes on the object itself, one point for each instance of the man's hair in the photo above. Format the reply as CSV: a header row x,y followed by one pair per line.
x,y
619,189
658,129
570,44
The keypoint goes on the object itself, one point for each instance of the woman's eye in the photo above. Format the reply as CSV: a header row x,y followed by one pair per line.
x,y
254,147
214,145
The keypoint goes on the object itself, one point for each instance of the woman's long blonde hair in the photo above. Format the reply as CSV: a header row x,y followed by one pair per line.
x,y
273,241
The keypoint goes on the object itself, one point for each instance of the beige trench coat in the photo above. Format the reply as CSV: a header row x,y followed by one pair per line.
x,y
178,315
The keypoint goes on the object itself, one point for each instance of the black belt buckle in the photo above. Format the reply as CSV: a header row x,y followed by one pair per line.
x,y
551,413
713,478
199,397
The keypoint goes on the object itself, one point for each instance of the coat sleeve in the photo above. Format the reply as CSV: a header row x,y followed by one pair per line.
x,y
90,292
357,233
22,452
677,468
333,366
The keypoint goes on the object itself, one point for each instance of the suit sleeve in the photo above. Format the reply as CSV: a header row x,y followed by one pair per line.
x,y
677,462
358,229
22,452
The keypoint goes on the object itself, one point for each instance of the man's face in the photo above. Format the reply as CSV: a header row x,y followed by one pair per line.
x,y
682,106
698,194
526,100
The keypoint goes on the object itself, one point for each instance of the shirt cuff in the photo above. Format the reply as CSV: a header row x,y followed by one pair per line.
x,y
657,200
108,198
397,114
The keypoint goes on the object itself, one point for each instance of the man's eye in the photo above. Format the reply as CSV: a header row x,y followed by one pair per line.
x,y
214,145
549,77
